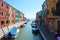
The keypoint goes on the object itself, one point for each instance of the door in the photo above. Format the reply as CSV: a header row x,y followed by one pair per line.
x,y
58,27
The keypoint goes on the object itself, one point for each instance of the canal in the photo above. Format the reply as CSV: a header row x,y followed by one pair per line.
x,y
27,34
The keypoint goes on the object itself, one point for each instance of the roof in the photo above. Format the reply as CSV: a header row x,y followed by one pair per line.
x,y
39,13
9,5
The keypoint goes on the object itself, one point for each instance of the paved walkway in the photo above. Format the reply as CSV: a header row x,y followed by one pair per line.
x,y
47,35
1,33
4,30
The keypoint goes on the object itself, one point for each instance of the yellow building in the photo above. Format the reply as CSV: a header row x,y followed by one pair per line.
x,y
51,19
10,15
50,5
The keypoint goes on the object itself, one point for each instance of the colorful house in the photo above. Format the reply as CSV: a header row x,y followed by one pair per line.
x,y
17,15
13,15
43,14
3,14
39,17
51,19
44,9
21,16
10,15
58,16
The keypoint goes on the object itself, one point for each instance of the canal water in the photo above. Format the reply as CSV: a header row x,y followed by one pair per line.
x,y
26,33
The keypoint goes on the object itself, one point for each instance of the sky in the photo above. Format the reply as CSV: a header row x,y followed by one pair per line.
x,y
28,7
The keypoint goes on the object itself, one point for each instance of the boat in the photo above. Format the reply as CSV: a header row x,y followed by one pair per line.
x,y
34,26
13,32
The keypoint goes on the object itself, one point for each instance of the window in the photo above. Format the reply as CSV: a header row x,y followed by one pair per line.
x,y
47,12
2,4
39,17
7,14
12,20
17,16
12,15
7,7
16,20
2,22
7,21
1,13
47,1
53,10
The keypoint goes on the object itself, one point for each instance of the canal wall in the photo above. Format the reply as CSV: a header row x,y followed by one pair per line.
x,y
44,38
47,35
4,30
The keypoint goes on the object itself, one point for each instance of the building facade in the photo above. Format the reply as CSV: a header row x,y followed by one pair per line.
x,y
3,14
58,15
21,16
50,17
13,15
10,15
51,21
17,15
39,17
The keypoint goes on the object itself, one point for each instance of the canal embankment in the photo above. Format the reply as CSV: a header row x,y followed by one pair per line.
x,y
4,30
26,33
47,35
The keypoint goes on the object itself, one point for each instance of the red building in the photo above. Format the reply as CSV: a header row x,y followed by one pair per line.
x,y
3,14
38,17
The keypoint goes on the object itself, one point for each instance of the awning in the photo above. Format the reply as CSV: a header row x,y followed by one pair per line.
x,y
50,18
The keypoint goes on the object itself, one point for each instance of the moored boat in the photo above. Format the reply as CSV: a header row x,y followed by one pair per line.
x,y
13,32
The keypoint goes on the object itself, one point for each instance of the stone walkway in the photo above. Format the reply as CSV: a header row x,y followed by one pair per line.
x,y
4,30
47,35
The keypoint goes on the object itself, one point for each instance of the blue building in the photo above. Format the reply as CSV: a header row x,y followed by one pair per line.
x,y
17,16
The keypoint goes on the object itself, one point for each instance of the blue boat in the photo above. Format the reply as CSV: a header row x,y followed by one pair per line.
x,y
12,32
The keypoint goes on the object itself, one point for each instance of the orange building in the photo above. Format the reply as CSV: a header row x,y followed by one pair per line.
x,y
51,19
13,15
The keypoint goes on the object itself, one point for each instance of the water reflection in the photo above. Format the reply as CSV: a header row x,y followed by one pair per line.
x,y
35,33
22,26
26,33
8,38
